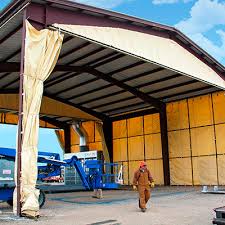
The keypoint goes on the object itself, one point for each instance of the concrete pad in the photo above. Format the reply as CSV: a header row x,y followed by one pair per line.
x,y
168,206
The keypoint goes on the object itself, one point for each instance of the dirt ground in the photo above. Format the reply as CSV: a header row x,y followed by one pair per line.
x,y
168,206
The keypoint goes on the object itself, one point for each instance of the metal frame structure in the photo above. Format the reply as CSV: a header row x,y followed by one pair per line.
x,y
103,82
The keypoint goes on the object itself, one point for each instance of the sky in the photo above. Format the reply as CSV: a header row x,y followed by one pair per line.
x,y
201,20
47,139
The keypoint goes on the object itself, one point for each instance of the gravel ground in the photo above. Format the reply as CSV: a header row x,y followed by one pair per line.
x,y
168,206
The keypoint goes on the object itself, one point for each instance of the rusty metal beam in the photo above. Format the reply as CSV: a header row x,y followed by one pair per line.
x,y
165,145
20,119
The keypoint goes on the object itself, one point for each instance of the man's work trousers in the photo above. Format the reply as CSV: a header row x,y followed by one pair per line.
x,y
144,195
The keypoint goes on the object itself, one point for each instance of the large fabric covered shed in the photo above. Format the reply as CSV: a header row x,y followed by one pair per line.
x,y
110,67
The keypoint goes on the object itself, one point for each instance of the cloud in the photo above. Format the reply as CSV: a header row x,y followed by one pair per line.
x,y
103,3
215,50
159,2
205,16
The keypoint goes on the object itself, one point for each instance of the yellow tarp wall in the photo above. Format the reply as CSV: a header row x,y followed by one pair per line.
x,y
196,136
7,118
94,141
48,107
196,131
138,139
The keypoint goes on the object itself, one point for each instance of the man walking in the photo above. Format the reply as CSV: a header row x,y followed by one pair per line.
x,y
142,181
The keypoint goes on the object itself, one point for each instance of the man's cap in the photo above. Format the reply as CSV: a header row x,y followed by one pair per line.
x,y
142,164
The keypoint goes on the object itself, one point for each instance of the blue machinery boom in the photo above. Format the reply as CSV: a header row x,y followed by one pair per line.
x,y
94,174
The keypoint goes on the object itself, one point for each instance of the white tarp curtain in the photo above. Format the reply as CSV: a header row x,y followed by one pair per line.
x,y
163,51
42,49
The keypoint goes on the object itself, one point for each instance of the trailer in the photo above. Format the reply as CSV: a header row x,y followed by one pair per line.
x,y
220,216
94,174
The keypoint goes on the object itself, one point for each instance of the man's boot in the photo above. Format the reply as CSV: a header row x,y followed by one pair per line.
x,y
143,210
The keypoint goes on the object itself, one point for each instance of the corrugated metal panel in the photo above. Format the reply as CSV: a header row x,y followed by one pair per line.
x,y
150,78
192,94
9,78
165,84
134,71
129,109
84,88
14,86
54,75
78,53
117,64
11,45
12,25
15,58
178,90
67,83
97,94
121,104
73,43
94,58
110,99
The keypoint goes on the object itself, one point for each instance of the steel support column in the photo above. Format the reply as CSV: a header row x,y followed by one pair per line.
x,y
20,119
165,147
108,133
67,138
